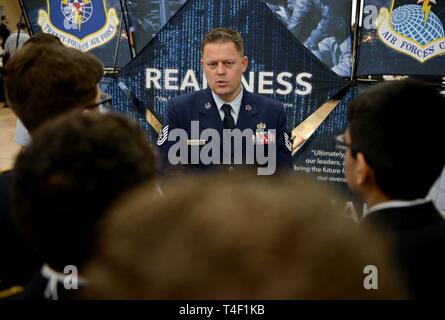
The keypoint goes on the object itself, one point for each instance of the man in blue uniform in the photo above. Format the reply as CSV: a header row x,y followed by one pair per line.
x,y
224,124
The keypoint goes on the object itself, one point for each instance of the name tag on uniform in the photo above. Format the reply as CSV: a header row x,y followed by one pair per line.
x,y
196,142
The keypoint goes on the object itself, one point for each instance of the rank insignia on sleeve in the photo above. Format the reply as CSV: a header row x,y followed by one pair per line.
x,y
163,135
287,142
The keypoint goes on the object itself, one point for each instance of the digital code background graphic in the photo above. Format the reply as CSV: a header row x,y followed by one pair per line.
x,y
269,46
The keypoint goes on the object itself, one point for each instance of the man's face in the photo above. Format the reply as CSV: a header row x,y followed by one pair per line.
x,y
223,67
6,21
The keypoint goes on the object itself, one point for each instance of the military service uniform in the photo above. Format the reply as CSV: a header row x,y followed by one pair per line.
x,y
264,116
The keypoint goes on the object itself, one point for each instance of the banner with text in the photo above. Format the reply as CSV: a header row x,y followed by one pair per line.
x,y
280,67
402,37
87,25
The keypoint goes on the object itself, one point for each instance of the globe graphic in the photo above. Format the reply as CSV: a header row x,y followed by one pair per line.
x,y
408,20
84,10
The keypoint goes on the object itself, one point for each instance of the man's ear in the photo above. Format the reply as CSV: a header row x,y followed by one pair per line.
x,y
363,172
244,63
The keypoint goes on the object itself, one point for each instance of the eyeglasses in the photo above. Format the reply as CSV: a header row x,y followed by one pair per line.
x,y
340,144
104,104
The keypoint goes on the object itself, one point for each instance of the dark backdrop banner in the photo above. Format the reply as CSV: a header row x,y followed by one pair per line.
x,y
323,26
86,25
280,67
402,37
147,17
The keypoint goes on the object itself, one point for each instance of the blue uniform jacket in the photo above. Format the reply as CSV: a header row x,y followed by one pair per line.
x,y
257,113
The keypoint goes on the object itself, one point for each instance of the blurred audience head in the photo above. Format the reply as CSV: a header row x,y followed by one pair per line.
x,y
392,140
234,237
44,80
74,168
42,38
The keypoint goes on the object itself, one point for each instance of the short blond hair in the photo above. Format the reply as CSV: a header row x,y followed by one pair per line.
x,y
221,35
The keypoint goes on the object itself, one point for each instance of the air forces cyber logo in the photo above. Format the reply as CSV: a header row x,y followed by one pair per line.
x,y
82,24
414,27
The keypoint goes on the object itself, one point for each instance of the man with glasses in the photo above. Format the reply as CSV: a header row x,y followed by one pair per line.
x,y
42,81
103,106
393,155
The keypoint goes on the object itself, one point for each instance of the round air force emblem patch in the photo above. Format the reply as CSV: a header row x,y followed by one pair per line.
x,y
81,24
163,135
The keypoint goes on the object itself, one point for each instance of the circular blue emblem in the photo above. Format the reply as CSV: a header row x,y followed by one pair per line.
x,y
76,11
408,20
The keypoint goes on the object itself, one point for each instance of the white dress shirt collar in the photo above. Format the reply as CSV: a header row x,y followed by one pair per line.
x,y
235,104
395,204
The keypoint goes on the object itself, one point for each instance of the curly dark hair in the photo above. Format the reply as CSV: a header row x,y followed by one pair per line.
x,y
74,168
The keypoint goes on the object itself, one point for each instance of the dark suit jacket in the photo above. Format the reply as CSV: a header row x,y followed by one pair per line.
x,y
18,260
200,106
419,245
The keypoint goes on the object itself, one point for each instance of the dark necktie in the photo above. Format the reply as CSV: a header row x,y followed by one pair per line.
x,y
228,121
